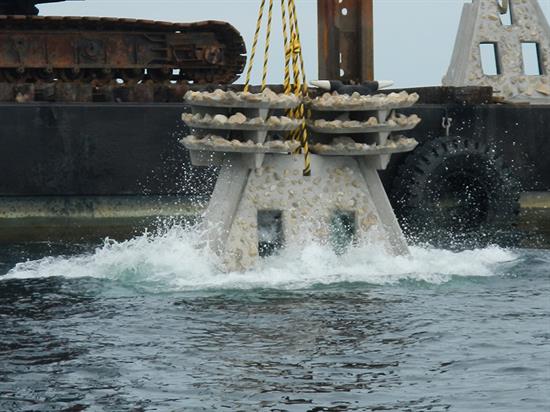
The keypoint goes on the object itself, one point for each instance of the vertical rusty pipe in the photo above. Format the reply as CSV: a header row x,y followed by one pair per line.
x,y
367,40
345,37
328,40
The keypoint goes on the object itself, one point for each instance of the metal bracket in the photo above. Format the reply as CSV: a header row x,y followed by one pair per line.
x,y
446,123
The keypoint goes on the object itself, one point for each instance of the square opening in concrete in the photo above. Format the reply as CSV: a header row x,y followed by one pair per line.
x,y
490,62
343,230
506,18
532,62
270,232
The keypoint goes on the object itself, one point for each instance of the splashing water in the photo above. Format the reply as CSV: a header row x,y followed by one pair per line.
x,y
164,329
174,261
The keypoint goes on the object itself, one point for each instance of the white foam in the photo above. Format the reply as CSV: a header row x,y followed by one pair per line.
x,y
175,261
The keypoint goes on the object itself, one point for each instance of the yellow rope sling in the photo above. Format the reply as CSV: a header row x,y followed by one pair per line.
x,y
294,58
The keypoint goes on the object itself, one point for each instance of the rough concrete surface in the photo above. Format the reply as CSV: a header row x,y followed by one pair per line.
x,y
307,205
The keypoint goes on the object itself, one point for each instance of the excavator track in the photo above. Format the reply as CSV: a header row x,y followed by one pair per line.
x,y
100,49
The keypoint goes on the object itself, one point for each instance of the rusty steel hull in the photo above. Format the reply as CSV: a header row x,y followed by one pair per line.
x,y
104,149
49,49
86,150
132,148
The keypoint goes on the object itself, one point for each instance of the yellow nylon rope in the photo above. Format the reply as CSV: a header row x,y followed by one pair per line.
x,y
300,55
254,45
300,87
288,51
296,49
293,54
267,41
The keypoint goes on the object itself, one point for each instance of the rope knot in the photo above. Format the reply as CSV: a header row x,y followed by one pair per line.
x,y
296,47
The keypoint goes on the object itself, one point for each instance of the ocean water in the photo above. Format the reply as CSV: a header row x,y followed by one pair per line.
x,y
152,325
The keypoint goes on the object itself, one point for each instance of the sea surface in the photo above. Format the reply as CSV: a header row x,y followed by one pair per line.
x,y
151,325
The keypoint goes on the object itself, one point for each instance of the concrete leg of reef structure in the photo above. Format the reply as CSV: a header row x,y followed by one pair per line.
x,y
276,206
394,233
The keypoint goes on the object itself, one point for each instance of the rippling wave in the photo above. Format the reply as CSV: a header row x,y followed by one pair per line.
x,y
151,324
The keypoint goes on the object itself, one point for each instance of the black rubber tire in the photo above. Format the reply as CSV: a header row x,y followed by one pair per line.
x,y
454,191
